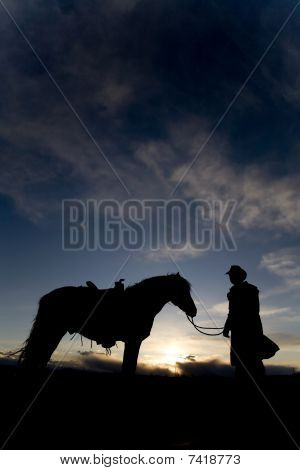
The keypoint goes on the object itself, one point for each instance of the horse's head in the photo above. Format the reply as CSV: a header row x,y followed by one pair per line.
x,y
181,295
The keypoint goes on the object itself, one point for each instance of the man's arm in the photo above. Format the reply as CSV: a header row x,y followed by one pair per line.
x,y
227,326
256,308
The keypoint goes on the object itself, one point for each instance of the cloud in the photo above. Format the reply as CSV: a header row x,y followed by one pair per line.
x,y
216,367
265,202
43,143
221,309
269,311
166,254
98,362
283,263
284,86
147,104
210,367
95,361
286,339
192,365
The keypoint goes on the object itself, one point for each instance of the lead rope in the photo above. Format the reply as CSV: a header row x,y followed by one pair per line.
x,y
199,328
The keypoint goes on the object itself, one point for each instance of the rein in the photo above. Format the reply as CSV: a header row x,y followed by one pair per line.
x,y
200,328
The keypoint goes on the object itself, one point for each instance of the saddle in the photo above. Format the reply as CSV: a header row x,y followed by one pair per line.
x,y
111,300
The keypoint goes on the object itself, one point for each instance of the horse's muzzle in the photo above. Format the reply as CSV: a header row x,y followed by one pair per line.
x,y
192,313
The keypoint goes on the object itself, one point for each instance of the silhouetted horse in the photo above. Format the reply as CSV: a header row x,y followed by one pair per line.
x,y
105,316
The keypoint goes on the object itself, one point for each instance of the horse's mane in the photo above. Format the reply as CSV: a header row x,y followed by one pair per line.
x,y
156,280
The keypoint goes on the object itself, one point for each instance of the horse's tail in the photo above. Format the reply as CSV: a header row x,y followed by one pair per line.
x,y
43,339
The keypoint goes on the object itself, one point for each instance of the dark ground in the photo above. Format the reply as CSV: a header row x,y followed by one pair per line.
x,y
87,410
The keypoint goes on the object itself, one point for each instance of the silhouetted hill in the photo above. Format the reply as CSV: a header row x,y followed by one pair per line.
x,y
88,410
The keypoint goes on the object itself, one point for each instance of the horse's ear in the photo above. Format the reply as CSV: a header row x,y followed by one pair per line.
x,y
177,274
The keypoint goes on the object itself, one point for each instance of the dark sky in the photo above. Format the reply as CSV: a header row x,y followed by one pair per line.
x,y
148,81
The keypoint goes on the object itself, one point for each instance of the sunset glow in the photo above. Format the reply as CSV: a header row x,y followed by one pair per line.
x,y
171,354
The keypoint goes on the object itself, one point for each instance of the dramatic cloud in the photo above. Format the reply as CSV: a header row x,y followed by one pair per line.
x,y
191,366
100,363
146,104
264,201
216,367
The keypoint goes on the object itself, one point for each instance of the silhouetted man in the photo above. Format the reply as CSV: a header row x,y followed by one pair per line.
x,y
244,325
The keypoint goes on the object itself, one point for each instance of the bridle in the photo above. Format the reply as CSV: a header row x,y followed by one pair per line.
x,y
200,328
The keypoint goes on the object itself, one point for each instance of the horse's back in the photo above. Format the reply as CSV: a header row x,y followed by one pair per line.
x,y
75,304
96,312
57,293
72,292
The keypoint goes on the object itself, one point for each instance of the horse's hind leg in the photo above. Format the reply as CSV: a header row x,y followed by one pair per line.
x,y
131,353
52,342
41,347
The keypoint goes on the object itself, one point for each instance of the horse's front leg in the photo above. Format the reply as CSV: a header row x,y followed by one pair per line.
x,y
131,353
